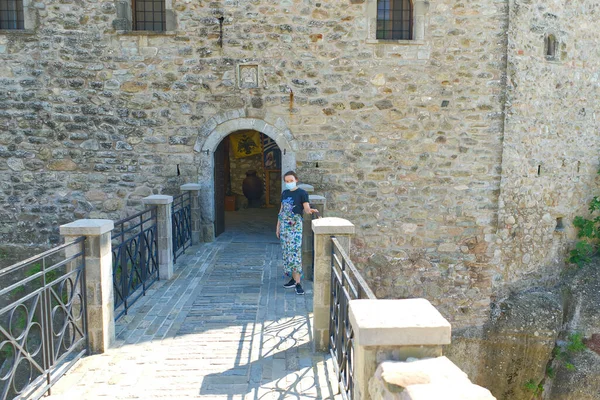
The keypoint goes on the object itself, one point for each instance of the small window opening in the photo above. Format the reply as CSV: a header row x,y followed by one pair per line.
x,y
550,46
11,14
578,165
394,19
539,170
559,225
149,15
445,103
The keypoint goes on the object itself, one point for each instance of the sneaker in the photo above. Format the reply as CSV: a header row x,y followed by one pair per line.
x,y
291,284
299,289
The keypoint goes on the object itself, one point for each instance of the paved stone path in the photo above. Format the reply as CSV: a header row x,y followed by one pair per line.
x,y
223,328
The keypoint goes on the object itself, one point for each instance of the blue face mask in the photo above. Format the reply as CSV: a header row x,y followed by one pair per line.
x,y
290,185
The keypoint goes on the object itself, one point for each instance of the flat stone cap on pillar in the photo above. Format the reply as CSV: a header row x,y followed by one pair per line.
x,y
332,226
305,186
398,323
190,186
316,199
87,227
158,199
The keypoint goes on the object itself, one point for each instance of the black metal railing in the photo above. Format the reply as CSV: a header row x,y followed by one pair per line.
x,y
43,326
346,284
135,258
181,220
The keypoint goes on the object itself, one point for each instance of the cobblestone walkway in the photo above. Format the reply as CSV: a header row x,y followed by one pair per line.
x,y
223,328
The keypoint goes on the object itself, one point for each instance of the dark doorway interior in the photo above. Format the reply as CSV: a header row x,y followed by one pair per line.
x,y
247,182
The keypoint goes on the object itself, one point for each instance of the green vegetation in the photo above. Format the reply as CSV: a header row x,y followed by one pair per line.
x,y
588,233
575,343
535,389
563,354
37,267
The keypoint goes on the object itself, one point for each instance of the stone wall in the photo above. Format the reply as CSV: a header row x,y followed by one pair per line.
x,y
550,156
408,140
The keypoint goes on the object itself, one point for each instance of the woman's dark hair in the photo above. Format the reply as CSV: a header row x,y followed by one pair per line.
x,y
291,173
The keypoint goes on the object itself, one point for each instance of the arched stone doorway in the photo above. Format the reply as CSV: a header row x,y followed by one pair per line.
x,y
212,134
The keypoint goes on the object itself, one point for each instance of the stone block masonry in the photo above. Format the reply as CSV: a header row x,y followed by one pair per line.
x,y
409,140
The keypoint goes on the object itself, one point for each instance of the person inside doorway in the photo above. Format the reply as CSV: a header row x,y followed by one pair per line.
x,y
294,202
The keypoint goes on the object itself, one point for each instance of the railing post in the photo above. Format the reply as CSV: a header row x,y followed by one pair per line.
x,y
393,330
194,189
318,202
323,229
164,230
99,278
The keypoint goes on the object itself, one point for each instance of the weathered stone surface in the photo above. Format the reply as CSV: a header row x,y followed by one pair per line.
x,y
577,371
514,347
112,204
133,86
425,379
62,165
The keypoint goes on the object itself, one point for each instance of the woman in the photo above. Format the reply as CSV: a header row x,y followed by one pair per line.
x,y
294,201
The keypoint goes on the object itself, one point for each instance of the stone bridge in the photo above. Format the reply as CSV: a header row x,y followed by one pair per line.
x,y
222,328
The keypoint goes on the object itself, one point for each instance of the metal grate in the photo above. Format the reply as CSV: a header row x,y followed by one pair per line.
x,y
11,14
394,19
346,284
43,320
135,258
149,15
181,220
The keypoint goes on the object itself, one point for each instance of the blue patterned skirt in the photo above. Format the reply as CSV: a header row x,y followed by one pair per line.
x,y
290,235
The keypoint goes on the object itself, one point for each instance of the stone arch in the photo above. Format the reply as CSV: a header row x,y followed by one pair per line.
x,y
212,133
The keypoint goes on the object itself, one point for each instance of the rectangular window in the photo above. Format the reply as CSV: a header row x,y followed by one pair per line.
x,y
394,19
149,15
11,14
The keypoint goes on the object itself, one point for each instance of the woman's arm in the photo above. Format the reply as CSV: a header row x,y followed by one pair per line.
x,y
307,208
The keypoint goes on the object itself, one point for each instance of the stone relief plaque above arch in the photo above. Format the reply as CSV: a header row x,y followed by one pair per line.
x,y
248,76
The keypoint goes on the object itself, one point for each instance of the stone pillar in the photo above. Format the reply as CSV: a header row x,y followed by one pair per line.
x,y
387,330
164,231
318,202
194,190
99,278
323,229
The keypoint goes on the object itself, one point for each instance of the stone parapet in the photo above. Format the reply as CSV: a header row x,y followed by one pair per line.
x,y
196,227
393,330
164,228
398,323
426,379
305,186
323,229
320,203
98,278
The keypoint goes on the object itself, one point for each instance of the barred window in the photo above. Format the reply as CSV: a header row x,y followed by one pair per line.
x,y
149,15
394,19
11,14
